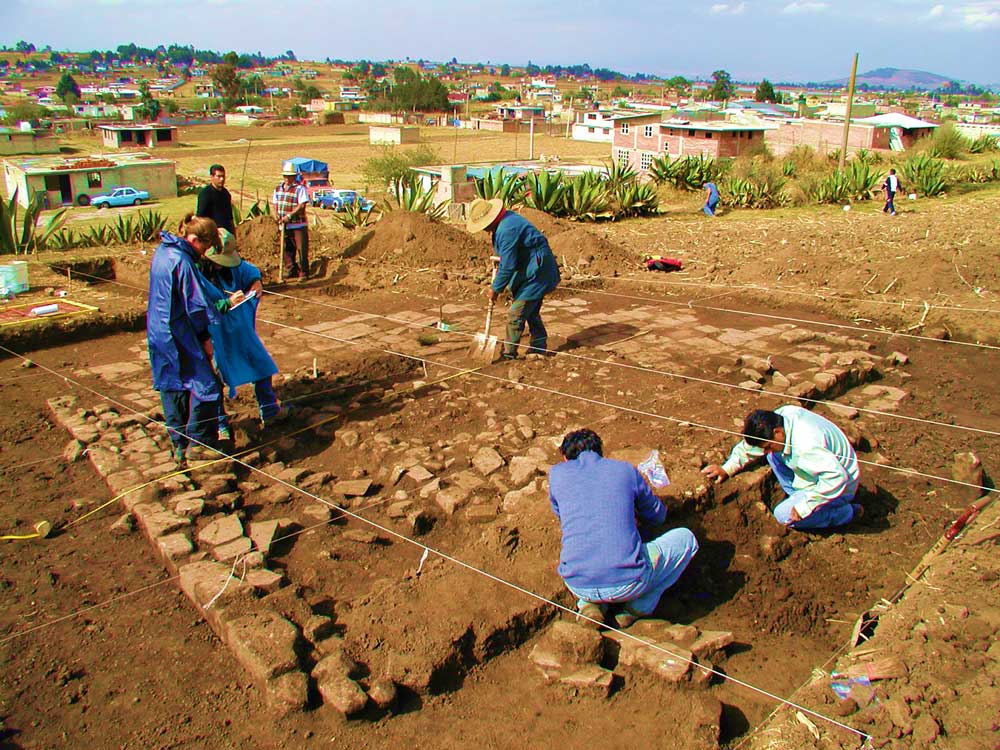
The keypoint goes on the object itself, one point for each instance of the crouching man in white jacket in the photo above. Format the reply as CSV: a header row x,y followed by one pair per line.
x,y
812,460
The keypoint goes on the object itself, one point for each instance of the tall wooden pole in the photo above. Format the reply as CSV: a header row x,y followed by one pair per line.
x,y
847,114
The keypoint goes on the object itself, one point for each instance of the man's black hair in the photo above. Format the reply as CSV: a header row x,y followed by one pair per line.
x,y
216,168
579,441
760,425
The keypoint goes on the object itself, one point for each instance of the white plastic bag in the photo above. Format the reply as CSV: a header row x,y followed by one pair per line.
x,y
653,470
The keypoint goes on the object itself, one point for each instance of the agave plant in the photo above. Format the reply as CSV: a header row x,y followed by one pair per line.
x,y
356,216
98,236
754,191
409,195
689,173
585,197
25,236
620,174
257,208
925,174
636,199
64,239
149,224
507,186
835,187
543,190
863,180
984,143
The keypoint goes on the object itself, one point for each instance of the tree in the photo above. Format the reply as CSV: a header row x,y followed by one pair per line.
x,y
297,111
723,89
505,71
619,91
765,92
227,80
25,112
68,87
149,107
680,84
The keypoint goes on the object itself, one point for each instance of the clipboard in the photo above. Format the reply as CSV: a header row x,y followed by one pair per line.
x,y
249,296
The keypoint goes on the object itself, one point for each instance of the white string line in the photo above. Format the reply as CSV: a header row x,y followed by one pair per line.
x,y
471,568
639,368
119,597
654,371
835,294
618,407
840,326
653,415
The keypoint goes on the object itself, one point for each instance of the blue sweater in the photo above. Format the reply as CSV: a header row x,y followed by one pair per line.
x,y
597,501
527,266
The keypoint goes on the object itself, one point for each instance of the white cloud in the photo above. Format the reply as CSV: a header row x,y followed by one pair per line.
x,y
982,15
733,9
805,6
936,11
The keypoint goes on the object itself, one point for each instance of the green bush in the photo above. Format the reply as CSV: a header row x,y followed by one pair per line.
x,y
947,143
392,163
831,188
586,197
862,179
760,190
984,144
689,173
544,192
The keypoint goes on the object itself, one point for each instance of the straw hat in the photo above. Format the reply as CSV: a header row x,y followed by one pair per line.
x,y
482,213
289,171
227,255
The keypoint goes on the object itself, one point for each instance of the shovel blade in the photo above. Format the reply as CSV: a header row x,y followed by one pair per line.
x,y
483,347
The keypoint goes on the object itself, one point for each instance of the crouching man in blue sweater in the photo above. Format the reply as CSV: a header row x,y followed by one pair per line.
x,y
604,560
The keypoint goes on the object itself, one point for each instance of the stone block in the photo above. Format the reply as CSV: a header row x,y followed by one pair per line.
x,y
419,474
263,533
315,481
430,489
420,522
349,438
73,451
216,484
481,513
486,461
342,693
221,530
124,480
263,643
591,679
451,499
669,662
968,469
175,546
522,470
572,644
287,692
192,507
353,487
467,480
265,581
711,643
293,474
201,581
656,630
382,692
155,520
232,549
399,509
315,514
317,627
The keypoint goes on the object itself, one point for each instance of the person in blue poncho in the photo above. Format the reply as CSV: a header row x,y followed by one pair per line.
x,y
527,268
711,198
240,355
178,317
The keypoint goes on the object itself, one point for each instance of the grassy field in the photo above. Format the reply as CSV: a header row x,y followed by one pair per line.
x,y
253,156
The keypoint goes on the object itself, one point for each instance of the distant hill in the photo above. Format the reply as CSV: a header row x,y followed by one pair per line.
x,y
896,78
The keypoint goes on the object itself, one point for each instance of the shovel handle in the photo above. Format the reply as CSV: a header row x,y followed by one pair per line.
x,y
281,255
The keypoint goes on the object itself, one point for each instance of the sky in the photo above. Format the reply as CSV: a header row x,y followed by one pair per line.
x,y
782,40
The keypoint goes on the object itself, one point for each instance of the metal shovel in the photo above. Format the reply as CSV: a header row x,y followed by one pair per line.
x,y
484,346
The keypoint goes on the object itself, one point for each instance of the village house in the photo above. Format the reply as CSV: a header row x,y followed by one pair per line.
x,y
24,140
144,136
596,126
76,180
639,138
892,131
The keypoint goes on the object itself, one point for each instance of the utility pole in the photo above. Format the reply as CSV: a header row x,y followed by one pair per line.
x,y
531,138
847,114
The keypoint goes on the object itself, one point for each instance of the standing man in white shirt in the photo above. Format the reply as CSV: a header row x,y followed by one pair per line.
x,y
290,200
812,460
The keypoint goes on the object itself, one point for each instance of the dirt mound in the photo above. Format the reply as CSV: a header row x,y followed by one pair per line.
x,y
579,247
418,241
257,240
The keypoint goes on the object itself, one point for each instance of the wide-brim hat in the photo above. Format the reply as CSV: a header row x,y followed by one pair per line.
x,y
289,172
225,256
482,213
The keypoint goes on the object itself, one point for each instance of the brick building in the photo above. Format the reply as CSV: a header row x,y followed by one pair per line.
x,y
640,138
886,132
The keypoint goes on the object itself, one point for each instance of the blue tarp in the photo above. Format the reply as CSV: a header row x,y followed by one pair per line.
x,y
302,164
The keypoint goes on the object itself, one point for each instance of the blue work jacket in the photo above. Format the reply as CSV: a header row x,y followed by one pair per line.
x,y
240,355
177,319
527,266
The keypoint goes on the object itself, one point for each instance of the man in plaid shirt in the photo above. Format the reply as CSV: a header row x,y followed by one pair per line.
x,y
290,200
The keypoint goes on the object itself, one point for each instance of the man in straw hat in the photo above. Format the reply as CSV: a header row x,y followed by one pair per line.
x,y
240,355
527,268
290,199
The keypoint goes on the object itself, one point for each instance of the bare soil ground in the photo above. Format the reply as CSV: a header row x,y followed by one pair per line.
x,y
100,649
